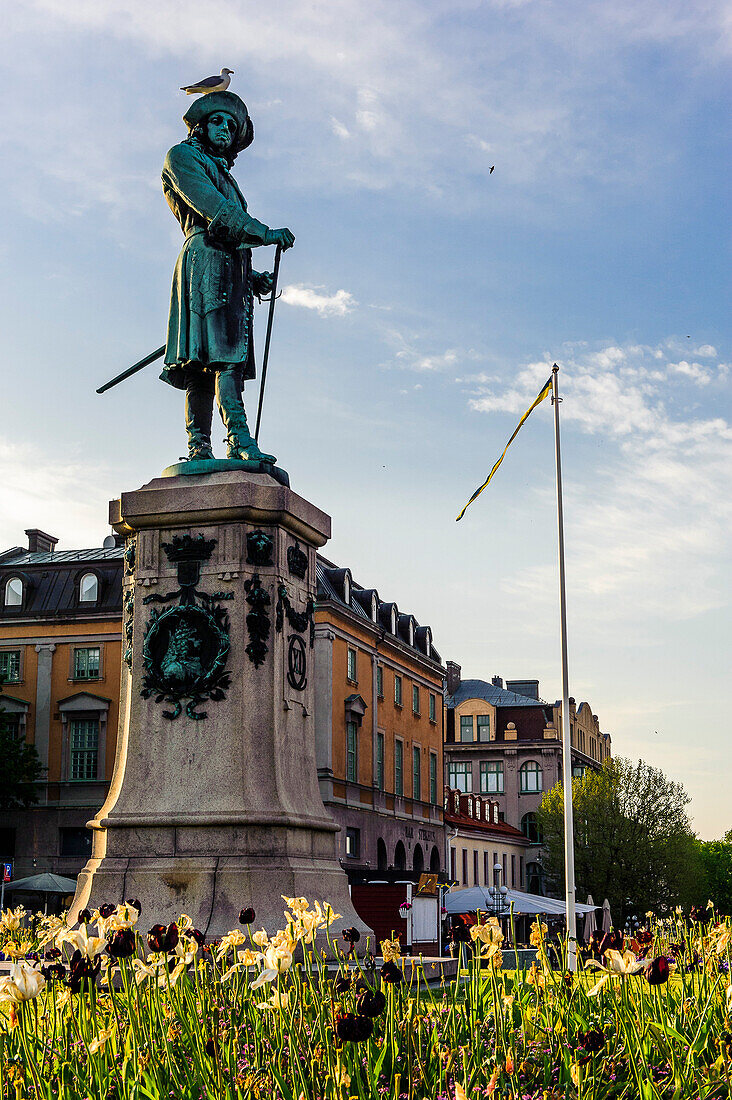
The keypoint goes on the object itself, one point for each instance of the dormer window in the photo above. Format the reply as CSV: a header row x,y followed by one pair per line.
x,y
89,588
14,592
393,620
374,607
411,632
347,589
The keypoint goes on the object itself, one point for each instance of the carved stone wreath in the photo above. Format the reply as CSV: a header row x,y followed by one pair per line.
x,y
185,651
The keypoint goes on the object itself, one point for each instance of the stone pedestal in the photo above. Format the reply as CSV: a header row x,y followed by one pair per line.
x,y
214,803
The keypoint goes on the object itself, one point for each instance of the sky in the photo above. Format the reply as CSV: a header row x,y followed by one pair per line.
x,y
423,305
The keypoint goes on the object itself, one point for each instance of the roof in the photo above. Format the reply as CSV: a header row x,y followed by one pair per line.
x,y
22,558
497,696
499,828
331,581
51,583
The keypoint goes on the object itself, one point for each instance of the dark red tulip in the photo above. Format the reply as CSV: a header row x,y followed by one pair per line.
x,y
85,916
107,909
135,903
353,1029
82,970
644,936
370,1003
592,1040
54,972
391,973
247,916
52,953
658,970
198,936
341,984
160,938
122,944
351,935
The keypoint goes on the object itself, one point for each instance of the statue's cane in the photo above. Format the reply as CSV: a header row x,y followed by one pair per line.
x,y
270,318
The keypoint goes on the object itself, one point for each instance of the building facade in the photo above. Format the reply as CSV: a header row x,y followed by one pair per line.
x,y
378,713
60,653
479,843
505,742
379,730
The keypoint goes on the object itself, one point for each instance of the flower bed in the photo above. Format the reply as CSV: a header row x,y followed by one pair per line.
x,y
105,1011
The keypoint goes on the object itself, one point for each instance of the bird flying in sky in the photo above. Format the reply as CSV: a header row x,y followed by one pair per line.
x,y
210,84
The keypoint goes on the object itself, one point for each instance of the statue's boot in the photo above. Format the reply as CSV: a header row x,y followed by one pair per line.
x,y
199,416
240,443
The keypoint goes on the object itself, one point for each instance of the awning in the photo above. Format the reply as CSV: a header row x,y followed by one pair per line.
x,y
472,898
43,884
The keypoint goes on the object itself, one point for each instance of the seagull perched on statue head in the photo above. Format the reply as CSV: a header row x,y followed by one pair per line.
x,y
210,84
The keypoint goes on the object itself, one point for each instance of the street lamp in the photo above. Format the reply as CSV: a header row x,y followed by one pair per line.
x,y
498,892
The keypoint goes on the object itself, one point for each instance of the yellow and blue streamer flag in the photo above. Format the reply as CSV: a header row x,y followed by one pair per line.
x,y
545,390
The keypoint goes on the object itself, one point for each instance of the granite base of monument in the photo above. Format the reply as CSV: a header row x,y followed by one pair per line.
x,y
214,803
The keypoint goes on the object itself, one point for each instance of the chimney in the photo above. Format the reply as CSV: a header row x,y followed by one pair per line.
x,y
453,677
39,542
528,688
497,681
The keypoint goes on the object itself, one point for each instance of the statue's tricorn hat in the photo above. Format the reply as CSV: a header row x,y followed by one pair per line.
x,y
229,102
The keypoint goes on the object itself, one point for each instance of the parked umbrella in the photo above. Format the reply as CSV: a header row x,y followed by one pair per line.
x,y
606,918
43,884
590,921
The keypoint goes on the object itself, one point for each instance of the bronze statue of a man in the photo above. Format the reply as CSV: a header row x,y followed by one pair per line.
x,y
210,348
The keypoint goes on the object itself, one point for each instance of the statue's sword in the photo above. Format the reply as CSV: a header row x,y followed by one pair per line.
x,y
133,370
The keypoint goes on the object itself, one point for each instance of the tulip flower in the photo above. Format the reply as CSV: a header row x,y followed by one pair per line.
x,y
247,916
592,1040
617,965
658,970
370,1003
391,973
351,935
23,983
353,1029
87,946
122,944
163,939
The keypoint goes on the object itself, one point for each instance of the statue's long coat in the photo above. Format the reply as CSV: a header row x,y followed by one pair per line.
x,y
211,303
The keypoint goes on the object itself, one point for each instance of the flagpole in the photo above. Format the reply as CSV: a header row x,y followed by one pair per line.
x,y
566,725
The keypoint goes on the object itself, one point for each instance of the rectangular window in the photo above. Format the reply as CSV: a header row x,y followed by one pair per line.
x,y
397,690
380,681
353,843
76,843
521,872
465,866
484,727
380,761
486,870
415,699
351,752
84,737
10,666
433,708
433,778
466,727
416,774
453,871
86,663
491,777
399,768
11,723
496,874
352,660
504,860
475,869
460,777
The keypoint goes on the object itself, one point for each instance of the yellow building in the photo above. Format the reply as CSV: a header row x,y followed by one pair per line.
x,y
379,729
60,653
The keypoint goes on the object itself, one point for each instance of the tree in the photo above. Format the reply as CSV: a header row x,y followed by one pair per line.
x,y
21,768
634,843
716,857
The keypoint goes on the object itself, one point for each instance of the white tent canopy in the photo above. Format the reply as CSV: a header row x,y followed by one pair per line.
x,y
472,898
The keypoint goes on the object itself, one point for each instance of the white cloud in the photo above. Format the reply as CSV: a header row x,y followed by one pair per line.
x,y
695,371
327,305
706,351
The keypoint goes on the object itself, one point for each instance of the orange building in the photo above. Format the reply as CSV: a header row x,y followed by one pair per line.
x,y
379,730
60,653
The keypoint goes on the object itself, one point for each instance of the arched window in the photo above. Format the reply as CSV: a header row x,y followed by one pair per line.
x,y
380,855
435,860
418,859
393,620
531,829
347,589
530,777
400,857
89,588
533,878
14,592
